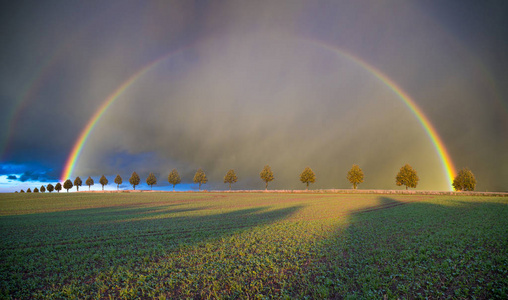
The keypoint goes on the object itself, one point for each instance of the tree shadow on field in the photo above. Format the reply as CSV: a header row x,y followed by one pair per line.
x,y
436,248
41,250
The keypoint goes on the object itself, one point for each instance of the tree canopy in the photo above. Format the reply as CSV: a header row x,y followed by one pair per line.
x,y
77,183
50,188
151,180
89,182
407,176
103,181
308,176
464,181
266,175
200,177
42,189
58,187
36,190
118,181
134,180
230,178
174,178
355,176
67,185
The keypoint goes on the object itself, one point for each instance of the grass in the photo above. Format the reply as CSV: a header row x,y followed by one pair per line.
x,y
252,245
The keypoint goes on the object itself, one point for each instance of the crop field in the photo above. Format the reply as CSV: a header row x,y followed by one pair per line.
x,y
252,246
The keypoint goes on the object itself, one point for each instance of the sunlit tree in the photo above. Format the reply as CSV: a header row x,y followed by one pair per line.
x,y
308,176
28,190
200,177
407,176
230,178
89,182
355,176
266,175
21,191
174,178
67,185
464,181
134,180
50,187
58,187
151,180
77,183
42,189
118,181
103,181
36,190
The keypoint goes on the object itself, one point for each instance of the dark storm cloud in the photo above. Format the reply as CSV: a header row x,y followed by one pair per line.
x,y
250,89
12,177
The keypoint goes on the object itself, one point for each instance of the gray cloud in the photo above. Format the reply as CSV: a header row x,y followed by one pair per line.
x,y
253,84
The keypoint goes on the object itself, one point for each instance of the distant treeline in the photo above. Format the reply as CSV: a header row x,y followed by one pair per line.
x,y
407,176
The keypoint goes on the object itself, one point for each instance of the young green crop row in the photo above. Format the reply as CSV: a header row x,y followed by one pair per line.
x,y
252,245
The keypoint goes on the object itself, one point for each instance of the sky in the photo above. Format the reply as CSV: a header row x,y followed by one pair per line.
x,y
148,86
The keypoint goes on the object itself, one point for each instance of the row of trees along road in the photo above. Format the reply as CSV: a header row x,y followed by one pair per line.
x,y
407,176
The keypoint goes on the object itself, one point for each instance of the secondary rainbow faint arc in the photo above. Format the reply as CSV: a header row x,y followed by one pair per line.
x,y
446,161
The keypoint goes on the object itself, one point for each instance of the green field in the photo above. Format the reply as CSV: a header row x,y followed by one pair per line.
x,y
252,245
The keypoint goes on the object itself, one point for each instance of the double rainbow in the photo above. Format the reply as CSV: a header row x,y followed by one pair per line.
x,y
443,154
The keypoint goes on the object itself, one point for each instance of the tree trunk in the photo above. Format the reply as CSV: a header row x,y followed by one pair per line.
x,y
230,186
307,188
266,186
406,187
173,187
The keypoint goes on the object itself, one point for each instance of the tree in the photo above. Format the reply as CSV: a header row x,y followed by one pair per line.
x,y
89,182
42,189
28,190
22,191
77,183
151,180
200,177
230,178
134,180
266,175
464,181
308,176
355,176
58,187
174,178
67,185
36,190
50,187
103,181
118,181
407,176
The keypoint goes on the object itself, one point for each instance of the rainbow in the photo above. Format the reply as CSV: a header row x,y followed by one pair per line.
x,y
439,146
85,133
